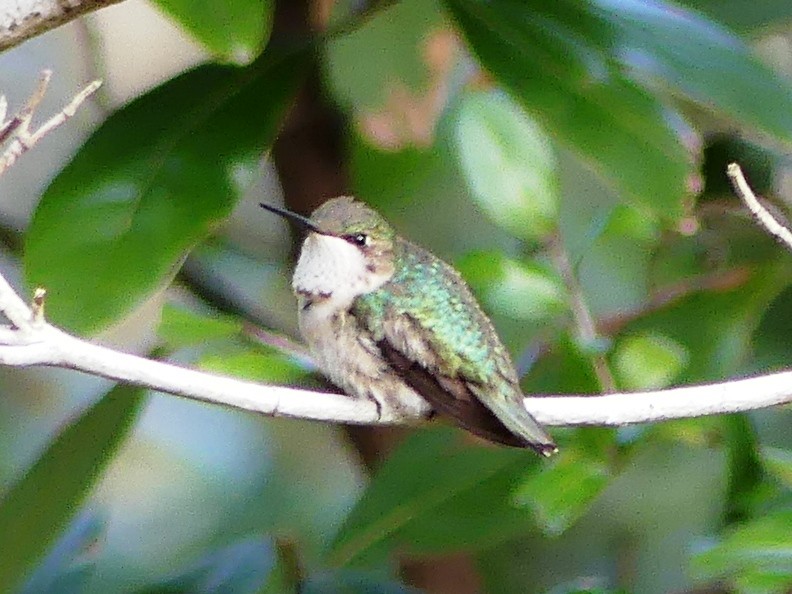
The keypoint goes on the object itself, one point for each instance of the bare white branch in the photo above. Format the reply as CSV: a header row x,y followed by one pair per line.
x,y
16,133
46,345
760,213
29,340
23,19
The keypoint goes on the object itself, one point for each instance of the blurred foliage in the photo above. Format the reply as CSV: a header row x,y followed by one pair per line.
x,y
568,156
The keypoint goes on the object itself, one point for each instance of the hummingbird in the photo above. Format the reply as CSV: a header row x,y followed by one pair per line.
x,y
388,321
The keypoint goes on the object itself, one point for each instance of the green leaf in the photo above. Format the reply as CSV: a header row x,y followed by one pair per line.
x,y
35,510
65,569
560,494
556,59
241,568
255,365
509,164
747,487
661,42
154,179
648,361
522,291
399,33
418,481
756,556
778,462
180,327
745,16
233,30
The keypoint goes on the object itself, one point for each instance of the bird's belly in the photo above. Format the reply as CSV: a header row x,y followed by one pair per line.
x,y
348,356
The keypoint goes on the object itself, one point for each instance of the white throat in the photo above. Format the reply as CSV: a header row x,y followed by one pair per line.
x,y
330,267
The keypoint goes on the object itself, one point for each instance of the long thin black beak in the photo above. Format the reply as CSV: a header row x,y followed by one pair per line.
x,y
298,220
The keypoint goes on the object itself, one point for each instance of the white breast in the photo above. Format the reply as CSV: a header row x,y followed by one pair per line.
x,y
331,267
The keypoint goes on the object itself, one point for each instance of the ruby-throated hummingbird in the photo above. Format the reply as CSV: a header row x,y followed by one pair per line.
x,y
388,321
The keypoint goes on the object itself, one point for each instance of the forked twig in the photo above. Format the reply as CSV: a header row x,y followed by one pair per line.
x,y
16,134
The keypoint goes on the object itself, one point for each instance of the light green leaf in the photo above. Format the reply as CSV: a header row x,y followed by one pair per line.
x,y
180,327
757,556
560,494
557,61
509,164
233,30
648,361
521,291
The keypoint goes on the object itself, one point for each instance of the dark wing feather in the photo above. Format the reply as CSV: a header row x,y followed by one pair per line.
x,y
452,398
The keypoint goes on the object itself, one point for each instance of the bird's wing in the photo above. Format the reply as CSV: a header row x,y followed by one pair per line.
x,y
430,330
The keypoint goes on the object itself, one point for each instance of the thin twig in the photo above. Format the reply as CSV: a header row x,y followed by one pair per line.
x,y
760,213
584,322
16,131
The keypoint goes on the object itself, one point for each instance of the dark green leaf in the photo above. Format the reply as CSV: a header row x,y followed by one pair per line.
x,y
153,180
36,509
745,16
419,481
556,59
233,30
560,494
240,568
747,486
756,555
661,42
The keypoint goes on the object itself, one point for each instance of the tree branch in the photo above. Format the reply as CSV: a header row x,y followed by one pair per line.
x,y
28,340
16,131
760,213
23,19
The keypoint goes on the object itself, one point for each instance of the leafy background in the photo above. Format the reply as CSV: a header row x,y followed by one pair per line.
x,y
567,156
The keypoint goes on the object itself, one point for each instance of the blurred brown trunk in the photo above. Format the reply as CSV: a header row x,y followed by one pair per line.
x,y
312,166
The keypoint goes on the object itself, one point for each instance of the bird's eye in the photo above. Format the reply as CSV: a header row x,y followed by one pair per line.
x,y
359,239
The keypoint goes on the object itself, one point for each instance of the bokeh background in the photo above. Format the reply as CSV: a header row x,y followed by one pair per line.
x,y
568,157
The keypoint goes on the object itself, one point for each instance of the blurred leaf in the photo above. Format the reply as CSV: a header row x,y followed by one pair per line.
x,y
747,487
233,30
557,59
155,178
584,586
522,291
180,327
508,163
419,480
714,326
662,43
648,361
756,556
254,365
352,582
397,32
559,494
58,573
779,463
35,509
241,568
745,16
562,369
